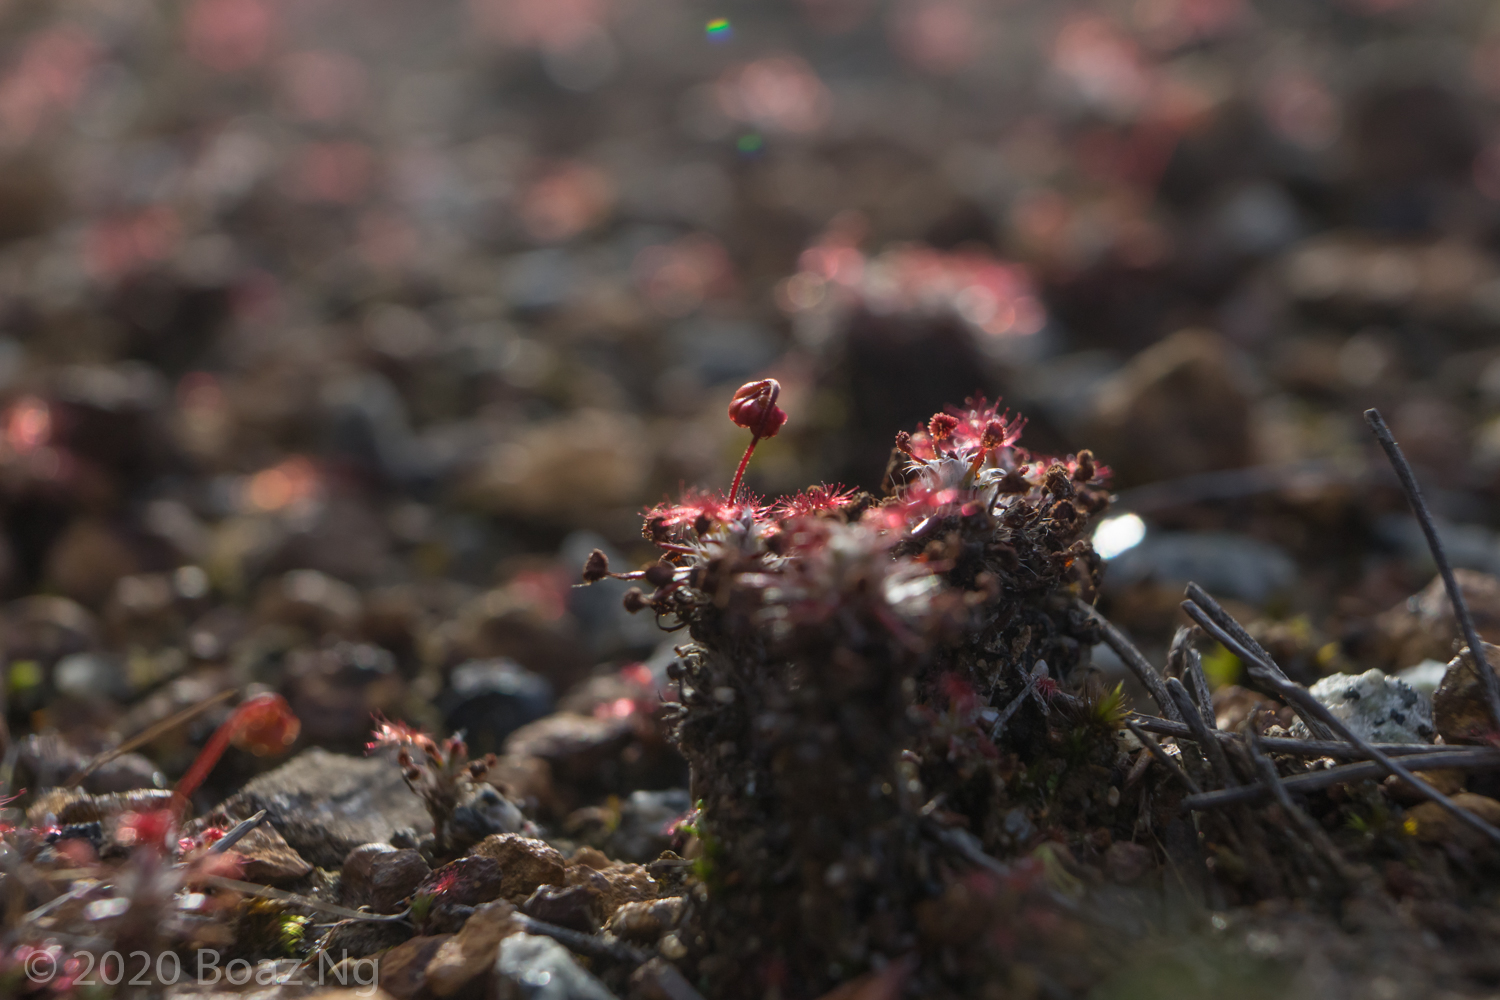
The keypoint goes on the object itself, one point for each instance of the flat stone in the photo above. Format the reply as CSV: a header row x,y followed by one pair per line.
x,y
326,804
1379,708
530,967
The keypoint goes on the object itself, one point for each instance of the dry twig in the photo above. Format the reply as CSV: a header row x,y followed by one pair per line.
x,y
1268,675
1487,679
1133,658
237,833
591,945
1476,759
281,896
1301,748
1263,670
1202,734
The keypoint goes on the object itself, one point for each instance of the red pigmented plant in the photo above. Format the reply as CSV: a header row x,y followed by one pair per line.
x,y
440,772
754,408
263,725
849,662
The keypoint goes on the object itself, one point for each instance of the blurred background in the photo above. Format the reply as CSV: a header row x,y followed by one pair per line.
x,y
335,333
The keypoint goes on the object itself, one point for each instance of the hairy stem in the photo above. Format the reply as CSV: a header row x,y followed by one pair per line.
x,y
739,473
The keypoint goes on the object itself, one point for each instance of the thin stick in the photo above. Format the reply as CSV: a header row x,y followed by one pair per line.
x,y
1202,735
1183,661
1299,698
1161,755
150,733
585,944
1258,654
1138,664
266,892
1303,748
237,833
1487,679
1313,781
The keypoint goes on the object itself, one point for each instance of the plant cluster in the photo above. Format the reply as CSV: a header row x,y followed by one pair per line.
x,y
845,700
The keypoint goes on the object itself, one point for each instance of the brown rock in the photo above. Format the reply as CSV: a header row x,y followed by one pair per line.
x,y
571,470
1434,824
470,953
1460,711
380,876
575,906
1423,627
403,969
1125,862
590,857
467,881
1447,781
645,921
617,883
267,858
524,863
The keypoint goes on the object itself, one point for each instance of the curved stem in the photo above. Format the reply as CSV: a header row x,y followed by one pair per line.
x,y
739,473
204,763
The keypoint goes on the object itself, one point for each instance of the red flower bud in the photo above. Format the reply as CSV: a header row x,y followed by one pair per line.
x,y
754,408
